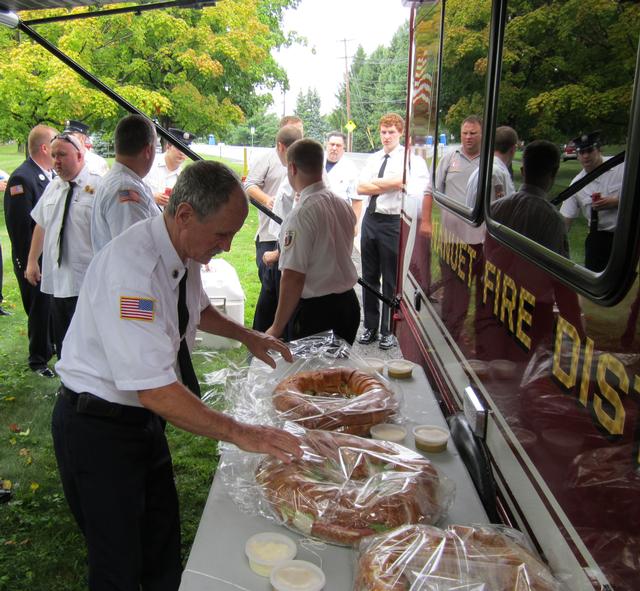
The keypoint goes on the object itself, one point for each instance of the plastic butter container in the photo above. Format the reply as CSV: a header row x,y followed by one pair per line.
x,y
297,575
374,364
399,368
388,432
430,438
267,549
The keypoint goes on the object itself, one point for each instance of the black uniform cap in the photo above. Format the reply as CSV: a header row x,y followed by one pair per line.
x,y
72,126
587,140
184,136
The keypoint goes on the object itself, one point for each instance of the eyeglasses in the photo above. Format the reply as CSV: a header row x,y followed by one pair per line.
x,y
67,138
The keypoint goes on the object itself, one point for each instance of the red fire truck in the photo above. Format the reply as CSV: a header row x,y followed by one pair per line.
x,y
534,350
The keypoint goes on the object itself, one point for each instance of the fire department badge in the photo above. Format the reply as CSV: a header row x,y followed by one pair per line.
x,y
289,237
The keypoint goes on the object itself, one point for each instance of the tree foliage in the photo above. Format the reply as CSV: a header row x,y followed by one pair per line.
x,y
308,109
266,127
568,65
196,69
378,85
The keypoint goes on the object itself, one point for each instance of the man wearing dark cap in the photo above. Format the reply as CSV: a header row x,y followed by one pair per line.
x,y
167,167
97,164
598,201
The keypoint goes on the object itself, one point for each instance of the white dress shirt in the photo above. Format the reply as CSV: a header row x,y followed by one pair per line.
x,y
607,184
160,177
111,352
64,281
342,179
389,203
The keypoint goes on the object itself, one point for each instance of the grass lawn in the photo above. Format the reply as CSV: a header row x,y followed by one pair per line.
x,y
40,546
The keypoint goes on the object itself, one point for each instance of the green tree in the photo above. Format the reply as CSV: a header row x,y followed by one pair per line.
x,y
308,109
265,125
568,65
378,85
197,69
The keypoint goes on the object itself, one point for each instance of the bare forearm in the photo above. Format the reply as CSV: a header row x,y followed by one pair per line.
x,y
377,186
259,195
181,408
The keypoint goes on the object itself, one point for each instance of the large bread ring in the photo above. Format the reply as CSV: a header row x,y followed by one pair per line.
x,y
347,487
460,557
340,399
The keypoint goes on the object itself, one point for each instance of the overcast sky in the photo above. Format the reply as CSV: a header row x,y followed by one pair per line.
x,y
325,24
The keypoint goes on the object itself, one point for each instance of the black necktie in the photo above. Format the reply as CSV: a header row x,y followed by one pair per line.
x,y
371,208
593,223
67,203
187,372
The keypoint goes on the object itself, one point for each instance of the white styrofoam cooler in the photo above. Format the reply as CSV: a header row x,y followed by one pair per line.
x,y
221,284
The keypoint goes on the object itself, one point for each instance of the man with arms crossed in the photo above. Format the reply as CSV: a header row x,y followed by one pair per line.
x,y
263,180
381,179
126,367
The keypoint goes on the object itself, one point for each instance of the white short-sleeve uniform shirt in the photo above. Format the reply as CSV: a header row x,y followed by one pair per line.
x,y
342,179
64,281
124,334
160,177
122,199
316,239
607,184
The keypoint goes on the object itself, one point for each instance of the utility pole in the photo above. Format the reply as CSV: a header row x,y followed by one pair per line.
x,y
348,93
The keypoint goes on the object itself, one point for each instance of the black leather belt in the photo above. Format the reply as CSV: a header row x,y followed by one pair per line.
x,y
88,404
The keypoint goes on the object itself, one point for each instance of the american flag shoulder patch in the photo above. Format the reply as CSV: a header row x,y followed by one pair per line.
x,y
16,190
134,308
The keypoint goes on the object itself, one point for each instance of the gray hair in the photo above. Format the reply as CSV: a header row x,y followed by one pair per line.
x,y
206,186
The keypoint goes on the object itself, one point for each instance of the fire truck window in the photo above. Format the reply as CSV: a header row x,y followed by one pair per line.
x,y
461,104
568,99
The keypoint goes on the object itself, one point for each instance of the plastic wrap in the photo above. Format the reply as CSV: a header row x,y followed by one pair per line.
x,y
342,489
460,558
326,387
339,398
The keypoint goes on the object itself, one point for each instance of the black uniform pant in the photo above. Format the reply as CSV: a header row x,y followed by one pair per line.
x,y
117,477
37,306
379,247
270,285
597,250
339,312
62,310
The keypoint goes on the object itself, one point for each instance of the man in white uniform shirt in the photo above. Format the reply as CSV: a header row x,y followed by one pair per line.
x,y
167,167
261,184
381,179
96,163
318,275
342,174
453,172
126,367
598,202
62,234
505,144
122,197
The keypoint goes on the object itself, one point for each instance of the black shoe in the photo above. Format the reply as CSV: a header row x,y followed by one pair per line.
x,y
45,372
387,341
368,336
3,312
